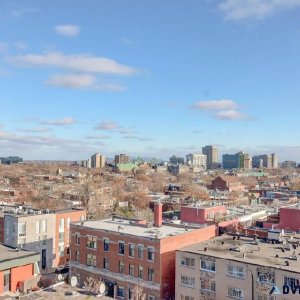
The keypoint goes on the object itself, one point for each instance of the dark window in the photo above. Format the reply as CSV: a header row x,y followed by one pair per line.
x,y
121,248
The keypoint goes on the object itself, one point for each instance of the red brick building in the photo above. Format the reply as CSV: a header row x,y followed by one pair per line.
x,y
125,253
226,183
202,214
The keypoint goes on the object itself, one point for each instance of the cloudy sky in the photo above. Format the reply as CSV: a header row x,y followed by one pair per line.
x,y
150,78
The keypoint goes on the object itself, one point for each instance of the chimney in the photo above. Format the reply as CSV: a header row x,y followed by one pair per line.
x,y
158,214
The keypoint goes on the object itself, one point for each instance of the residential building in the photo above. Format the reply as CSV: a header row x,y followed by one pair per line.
x,y
124,253
289,164
19,270
175,160
269,161
97,161
212,154
226,183
45,232
121,159
236,267
197,160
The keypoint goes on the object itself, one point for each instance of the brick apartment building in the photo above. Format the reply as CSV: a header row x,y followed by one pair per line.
x,y
42,231
226,183
18,269
126,253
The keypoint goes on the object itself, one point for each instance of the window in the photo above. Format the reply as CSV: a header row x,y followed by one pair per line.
x,y
121,292
140,251
68,222
38,227
22,242
61,236
22,229
61,249
131,250
236,271
188,262
77,255
150,297
235,293
291,282
106,245
91,242
121,267
44,238
121,248
208,285
266,277
105,263
91,260
150,274
44,226
151,254
77,239
208,265
140,272
130,294
182,297
187,281
131,270
61,225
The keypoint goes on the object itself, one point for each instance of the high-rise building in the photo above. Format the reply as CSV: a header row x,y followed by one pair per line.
x,y
121,159
212,154
240,160
265,161
97,161
175,160
197,160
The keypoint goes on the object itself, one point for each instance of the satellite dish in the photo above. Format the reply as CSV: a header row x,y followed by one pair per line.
x,y
60,277
74,281
102,288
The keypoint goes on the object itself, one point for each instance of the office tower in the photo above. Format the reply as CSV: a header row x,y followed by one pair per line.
x,y
121,159
265,161
212,154
97,161
175,160
240,160
274,161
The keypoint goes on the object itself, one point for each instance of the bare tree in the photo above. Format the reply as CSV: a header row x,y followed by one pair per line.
x,y
92,285
138,293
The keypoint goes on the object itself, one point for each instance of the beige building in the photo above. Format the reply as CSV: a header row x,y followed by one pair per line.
x,y
228,267
197,160
212,154
121,159
97,161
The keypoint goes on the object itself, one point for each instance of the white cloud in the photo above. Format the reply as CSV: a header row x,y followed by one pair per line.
x,y
68,30
223,104
107,125
80,62
254,9
97,137
60,122
34,130
230,115
72,81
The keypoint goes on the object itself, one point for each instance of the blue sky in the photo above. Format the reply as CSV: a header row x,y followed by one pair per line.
x,y
150,78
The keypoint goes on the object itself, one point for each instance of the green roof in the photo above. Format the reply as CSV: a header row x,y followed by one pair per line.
x,y
257,174
126,167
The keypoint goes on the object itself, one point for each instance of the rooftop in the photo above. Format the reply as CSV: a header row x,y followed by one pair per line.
x,y
252,251
130,227
8,253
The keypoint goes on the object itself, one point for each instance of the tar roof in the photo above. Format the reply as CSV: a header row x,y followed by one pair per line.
x,y
251,251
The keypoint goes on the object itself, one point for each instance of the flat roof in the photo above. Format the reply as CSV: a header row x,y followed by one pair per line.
x,y
9,253
250,251
129,228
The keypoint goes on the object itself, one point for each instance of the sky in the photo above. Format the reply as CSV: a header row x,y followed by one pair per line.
x,y
149,78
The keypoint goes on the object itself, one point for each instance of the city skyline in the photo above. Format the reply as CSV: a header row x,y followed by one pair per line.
x,y
148,79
